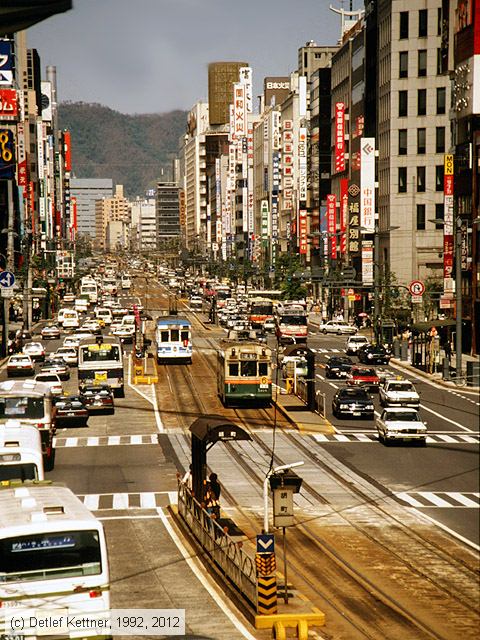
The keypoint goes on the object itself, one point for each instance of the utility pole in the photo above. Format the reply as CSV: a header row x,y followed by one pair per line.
x,y
376,281
458,297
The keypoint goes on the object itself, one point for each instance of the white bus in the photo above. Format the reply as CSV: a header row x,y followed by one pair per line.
x,y
53,554
31,402
70,319
20,452
100,361
126,282
89,288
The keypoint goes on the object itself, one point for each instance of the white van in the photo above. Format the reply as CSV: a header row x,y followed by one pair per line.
x,y
128,320
104,314
21,455
60,315
70,319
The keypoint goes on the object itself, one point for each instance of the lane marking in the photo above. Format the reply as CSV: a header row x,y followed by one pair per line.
x,y
434,498
199,572
152,401
444,527
439,415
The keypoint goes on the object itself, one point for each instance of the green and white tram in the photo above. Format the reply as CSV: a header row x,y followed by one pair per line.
x,y
244,372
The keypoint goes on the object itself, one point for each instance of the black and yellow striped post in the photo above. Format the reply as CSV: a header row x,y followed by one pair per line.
x,y
266,583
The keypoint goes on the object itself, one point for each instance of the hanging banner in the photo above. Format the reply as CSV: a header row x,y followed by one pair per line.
x,y
353,220
264,219
302,164
302,235
339,137
343,214
67,153
22,174
332,224
367,185
448,247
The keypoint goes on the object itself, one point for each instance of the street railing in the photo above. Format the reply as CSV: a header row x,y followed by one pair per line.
x,y
222,549
320,403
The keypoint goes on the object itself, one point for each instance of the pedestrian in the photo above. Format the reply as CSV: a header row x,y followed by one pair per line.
x,y
447,347
212,496
187,478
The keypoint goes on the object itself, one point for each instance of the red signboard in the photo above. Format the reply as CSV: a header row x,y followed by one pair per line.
x,y
343,214
8,103
302,215
332,224
67,150
339,137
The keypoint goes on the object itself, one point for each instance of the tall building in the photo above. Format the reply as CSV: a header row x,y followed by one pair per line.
x,y
87,191
144,223
221,78
114,209
167,212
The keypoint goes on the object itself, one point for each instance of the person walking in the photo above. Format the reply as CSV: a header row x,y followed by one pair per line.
x,y
212,496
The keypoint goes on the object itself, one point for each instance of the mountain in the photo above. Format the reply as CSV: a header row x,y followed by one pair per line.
x,y
130,149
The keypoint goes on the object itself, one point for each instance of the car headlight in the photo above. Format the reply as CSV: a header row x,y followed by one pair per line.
x,y
370,356
369,407
344,406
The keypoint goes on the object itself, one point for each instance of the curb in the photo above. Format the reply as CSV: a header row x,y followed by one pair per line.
x,y
401,364
326,428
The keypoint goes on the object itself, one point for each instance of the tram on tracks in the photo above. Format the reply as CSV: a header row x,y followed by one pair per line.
x,y
244,372
173,337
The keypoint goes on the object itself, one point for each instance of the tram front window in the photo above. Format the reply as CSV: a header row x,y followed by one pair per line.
x,y
262,368
174,335
165,336
184,336
233,369
248,369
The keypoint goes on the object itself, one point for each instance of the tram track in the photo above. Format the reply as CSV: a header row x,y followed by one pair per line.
x,y
362,608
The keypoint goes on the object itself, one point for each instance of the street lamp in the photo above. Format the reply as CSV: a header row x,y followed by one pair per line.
x,y
283,467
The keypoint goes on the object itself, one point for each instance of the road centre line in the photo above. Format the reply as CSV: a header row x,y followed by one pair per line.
x,y
214,593
453,533
439,415
158,419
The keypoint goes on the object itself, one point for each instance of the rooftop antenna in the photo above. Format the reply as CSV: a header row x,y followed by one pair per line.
x,y
349,18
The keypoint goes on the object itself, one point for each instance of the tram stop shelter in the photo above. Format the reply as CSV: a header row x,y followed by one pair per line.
x,y
207,431
309,355
426,347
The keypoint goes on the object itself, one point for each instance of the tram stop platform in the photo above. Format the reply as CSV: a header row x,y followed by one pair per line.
x,y
298,415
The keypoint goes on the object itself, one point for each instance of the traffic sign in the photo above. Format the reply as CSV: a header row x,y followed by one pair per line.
x,y
7,279
349,273
417,288
265,543
7,293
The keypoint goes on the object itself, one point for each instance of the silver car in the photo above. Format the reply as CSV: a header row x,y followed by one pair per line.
x,y
401,424
337,326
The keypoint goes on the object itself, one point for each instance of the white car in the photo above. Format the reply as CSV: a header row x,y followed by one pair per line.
x,y
72,341
398,393
69,354
354,343
401,423
337,326
52,380
35,350
51,331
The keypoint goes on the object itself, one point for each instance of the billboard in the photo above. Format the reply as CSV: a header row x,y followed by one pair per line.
x,y
367,263
367,185
302,232
8,103
276,89
339,137
6,63
46,101
332,224
343,214
7,154
302,164
448,247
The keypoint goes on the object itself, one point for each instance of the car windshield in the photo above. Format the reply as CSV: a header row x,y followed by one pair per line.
x,y
47,378
334,361
401,416
19,360
360,394
22,408
367,373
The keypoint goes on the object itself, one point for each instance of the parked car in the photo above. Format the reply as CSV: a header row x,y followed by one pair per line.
x,y
354,343
363,377
337,326
20,364
50,332
401,424
52,380
338,367
351,402
56,365
70,410
35,350
373,354
98,397
398,392
69,354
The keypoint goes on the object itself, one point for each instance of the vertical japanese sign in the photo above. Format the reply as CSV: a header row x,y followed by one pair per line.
x,y
67,150
6,63
367,184
339,137
264,219
245,74
7,154
302,235
367,263
343,214
332,224
353,220
22,176
239,110
448,249
302,164
287,164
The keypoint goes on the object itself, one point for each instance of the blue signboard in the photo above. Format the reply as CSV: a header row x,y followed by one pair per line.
x,y
266,543
7,279
6,67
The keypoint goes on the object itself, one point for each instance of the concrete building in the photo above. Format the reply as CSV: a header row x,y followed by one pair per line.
x,y
167,212
87,191
114,209
143,224
116,235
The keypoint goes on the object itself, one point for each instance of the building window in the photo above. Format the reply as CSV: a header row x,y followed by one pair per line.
x,y
421,141
439,215
422,102
402,104
423,23
403,64
420,217
441,100
422,63
440,140
439,21
403,25
402,179
402,142
421,179
439,177
439,62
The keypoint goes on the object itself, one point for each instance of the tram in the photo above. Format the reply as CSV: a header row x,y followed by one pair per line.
x,y
173,338
244,372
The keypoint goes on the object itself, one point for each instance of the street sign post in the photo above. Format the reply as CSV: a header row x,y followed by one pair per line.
x,y
7,279
265,543
416,288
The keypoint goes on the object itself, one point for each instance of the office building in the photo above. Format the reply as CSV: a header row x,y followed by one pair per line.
x,y
87,191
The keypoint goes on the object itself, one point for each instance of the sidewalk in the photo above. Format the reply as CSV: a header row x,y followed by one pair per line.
x,y
295,411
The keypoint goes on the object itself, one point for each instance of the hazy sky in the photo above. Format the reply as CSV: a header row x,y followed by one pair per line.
x,y
151,56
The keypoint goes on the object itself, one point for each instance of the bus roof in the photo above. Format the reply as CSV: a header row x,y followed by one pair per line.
x,y
105,340
41,507
14,435
173,320
28,388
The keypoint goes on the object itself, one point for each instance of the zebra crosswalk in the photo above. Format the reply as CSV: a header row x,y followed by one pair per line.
x,y
126,501
332,350
432,438
440,499
105,441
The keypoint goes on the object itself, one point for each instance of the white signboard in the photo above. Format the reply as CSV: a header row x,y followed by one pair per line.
x,y
367,185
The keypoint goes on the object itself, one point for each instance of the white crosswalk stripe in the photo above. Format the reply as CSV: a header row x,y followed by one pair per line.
x,y
371,436
127,501
440,499
106,441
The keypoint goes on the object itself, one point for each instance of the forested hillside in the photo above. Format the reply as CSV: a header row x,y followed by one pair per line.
x,y
130,149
